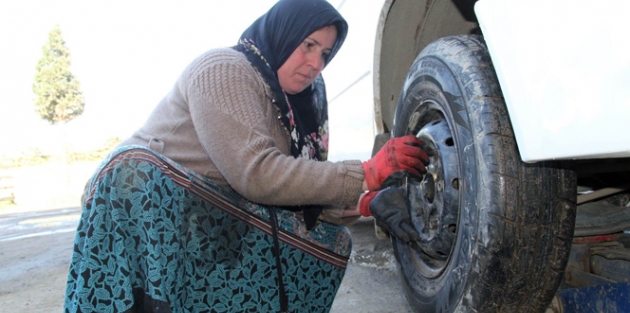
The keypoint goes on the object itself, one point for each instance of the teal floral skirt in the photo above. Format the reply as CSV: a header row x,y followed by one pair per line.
x,y
157,237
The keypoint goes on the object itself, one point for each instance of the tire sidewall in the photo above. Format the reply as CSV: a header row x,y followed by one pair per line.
x,y
430,78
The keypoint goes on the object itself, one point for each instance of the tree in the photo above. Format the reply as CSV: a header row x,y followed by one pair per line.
x,y
58,95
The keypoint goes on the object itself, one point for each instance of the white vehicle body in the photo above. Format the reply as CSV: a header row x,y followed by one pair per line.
x,y
564,73
565,77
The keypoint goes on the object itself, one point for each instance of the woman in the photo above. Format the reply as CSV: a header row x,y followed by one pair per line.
x,y
213,205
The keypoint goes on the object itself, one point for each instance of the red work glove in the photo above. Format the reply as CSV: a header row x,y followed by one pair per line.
x,y
364,203
398,154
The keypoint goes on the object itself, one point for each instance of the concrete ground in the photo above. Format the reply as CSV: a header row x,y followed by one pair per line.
x,y
372,283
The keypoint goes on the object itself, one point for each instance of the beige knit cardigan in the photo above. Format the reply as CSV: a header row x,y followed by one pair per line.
x,y
219,121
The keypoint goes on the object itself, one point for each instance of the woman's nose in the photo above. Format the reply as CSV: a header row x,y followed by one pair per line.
x,y
316,61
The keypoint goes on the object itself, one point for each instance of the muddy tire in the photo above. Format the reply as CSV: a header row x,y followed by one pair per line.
x,y
495,232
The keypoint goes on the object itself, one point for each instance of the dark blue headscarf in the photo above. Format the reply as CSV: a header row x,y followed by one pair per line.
x,y
281,30
268,43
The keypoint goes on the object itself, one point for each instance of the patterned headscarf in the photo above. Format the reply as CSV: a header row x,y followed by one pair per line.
x,y
268,43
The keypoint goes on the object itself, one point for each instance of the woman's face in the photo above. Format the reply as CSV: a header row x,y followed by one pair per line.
x,y
307,61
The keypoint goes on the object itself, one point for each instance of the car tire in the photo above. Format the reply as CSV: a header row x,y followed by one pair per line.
x,y
495,232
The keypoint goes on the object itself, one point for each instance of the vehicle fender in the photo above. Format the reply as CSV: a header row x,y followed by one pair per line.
x,y
564,71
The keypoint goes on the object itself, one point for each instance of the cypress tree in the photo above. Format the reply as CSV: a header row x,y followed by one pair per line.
x,y
58,95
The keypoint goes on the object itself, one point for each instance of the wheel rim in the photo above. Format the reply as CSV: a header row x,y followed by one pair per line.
x,y
434,200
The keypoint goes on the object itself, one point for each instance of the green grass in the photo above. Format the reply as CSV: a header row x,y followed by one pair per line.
x,y
6,205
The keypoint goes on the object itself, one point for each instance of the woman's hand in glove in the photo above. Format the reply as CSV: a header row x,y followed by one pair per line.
x,y
397,155
390,208
364,203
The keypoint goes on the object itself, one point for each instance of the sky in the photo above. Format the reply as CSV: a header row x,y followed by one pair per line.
x,y
128,54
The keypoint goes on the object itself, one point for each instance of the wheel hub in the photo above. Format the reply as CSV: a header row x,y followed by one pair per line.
x,y
434,200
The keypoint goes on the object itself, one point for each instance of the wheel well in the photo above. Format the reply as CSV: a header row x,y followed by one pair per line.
x,y
404,29
598,174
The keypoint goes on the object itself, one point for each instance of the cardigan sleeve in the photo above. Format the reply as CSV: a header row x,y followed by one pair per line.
x,y
238,128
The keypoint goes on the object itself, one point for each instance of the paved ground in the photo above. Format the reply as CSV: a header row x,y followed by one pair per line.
x,y
372,283
35,250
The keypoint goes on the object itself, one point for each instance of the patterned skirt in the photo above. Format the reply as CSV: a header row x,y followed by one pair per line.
x,y
157,237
